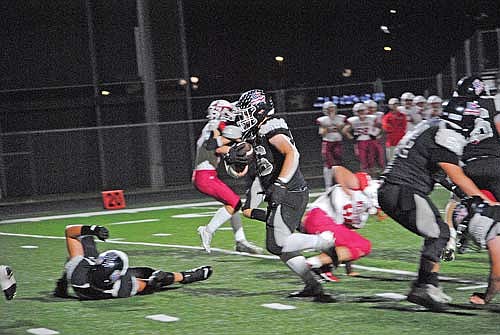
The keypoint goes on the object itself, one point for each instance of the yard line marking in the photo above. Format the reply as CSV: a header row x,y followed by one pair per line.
x,y
391,295
225,228
278,306
162,318
29,247
230,252
42,331
466,288
136,221
161,234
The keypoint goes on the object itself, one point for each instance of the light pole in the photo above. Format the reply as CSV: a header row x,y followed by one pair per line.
x,y
281,70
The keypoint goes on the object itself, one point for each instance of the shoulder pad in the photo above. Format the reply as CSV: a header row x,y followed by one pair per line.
x,y
321,119
353,119
451,140
272,124
232,132
341,117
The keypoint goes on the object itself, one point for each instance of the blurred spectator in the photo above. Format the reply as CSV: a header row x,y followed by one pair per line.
x,y
376,132
394,124
330,126
434,107
407,107
420,105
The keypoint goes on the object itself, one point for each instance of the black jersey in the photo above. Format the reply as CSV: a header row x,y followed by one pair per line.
x,y
269,159
419,152
89,283
484,141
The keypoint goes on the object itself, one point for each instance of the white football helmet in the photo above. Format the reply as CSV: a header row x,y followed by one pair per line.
x,y
407,96
393,101
371,104
358,107
327,105
220,110
419,99
434,99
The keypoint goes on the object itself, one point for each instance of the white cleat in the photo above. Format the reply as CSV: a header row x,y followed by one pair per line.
x,y
206,237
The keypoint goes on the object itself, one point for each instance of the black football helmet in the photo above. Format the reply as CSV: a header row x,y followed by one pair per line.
x,y
252,107
112,265
471,87
462,112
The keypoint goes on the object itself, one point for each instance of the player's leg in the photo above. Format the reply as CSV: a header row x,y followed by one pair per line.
x,y
327,153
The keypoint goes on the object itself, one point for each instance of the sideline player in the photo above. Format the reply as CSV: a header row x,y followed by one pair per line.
x,y
330,126
286,191
108,274
408,181
213,142
344,208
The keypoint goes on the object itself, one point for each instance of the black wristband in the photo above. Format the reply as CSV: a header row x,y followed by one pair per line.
x,y
259,214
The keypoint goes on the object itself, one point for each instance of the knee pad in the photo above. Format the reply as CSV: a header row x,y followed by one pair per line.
x,y
142,272
274,249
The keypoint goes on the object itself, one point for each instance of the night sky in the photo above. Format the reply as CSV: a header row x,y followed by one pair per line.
x,y
232,43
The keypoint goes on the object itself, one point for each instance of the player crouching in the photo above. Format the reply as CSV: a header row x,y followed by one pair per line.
x,y
108,275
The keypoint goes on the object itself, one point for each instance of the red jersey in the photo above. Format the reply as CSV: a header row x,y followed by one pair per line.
x,y
394,125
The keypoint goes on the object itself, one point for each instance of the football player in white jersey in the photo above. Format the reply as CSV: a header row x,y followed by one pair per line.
x,y
330,126
408,108
344,208
434,107
360,128
376,132
213,142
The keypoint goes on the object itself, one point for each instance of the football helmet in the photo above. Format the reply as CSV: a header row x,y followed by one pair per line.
x,y
371,104
327,105
220,110
462,113
407,96
419,99
393,101
252,107
471,87
434,99
114,264
358,107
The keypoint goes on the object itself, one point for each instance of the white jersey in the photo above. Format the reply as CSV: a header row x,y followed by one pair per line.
x,y
362,129
333,127
344,209
206,159
412,116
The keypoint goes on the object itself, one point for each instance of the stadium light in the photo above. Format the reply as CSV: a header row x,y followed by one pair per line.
x,y
104,92
194,80
393,11
279,59
385,29
387,48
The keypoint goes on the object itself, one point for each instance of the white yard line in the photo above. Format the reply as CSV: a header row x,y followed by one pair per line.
x,y
136,221
230,252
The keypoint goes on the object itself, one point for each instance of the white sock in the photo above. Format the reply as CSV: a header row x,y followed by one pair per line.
x,y
327,175
221,216
239,234
299,242
314,262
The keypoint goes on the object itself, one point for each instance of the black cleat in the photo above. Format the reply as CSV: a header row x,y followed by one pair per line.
x,y
315,292
430,297
61,290
197,274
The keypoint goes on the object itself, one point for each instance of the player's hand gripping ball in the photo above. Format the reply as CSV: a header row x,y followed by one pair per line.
x,y
236,160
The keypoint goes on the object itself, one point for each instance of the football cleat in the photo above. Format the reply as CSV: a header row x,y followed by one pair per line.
x,y
248,247
315,292
8,282
61,290
429,296
196,274
206,237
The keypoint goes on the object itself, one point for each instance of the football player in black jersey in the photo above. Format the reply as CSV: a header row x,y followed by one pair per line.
x,y
108,275
277,161
482,154
408,181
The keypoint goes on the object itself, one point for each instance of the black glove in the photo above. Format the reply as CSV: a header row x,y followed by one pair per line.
x,y
101,232
237,154
475,205
276,194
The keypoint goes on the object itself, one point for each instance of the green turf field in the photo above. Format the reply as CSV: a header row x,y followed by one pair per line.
x,y
230,301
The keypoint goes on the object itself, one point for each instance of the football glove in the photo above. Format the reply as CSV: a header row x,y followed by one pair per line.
x,y
101,232
237,154
276,194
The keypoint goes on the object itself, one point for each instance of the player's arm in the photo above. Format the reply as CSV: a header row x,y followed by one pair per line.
x,y
458,177
347,131
345,178
73,232
282,143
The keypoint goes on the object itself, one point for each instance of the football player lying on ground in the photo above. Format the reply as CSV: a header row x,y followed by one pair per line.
x,y
482,221
342,209
108,275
